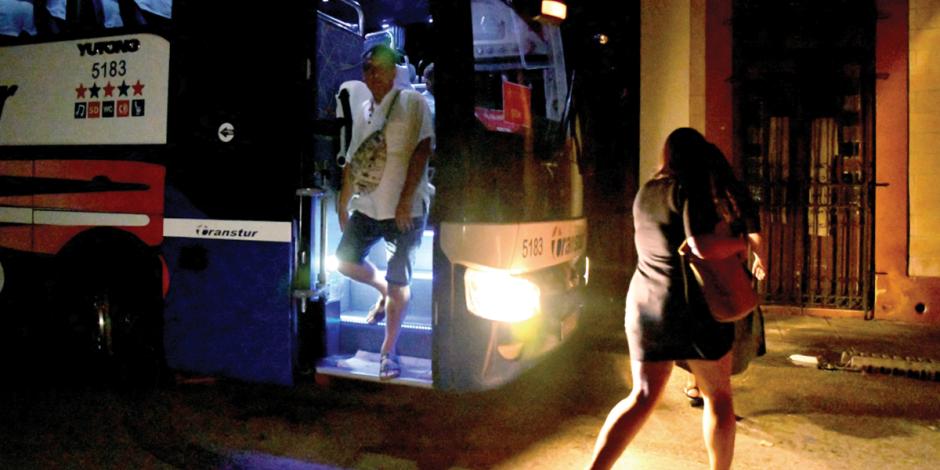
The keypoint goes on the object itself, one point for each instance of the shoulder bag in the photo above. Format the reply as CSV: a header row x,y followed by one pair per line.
x,y
368,161
725,284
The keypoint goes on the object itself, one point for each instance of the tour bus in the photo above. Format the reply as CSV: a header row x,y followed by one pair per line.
x,y
168,188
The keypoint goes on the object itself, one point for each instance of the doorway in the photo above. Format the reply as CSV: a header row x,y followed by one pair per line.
x,y
804,100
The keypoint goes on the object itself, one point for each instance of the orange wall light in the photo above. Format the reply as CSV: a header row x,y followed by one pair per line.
x,y
554,9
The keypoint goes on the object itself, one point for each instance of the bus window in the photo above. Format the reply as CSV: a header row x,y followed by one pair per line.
x,y
52,17
17,18
524,167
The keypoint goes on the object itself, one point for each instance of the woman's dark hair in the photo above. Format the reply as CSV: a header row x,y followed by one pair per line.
x,y
703,171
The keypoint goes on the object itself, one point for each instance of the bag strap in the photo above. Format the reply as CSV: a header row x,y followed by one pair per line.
x,y
684,266
684,247
391,107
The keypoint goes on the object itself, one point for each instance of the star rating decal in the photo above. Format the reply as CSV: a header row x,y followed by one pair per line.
x,y
109,109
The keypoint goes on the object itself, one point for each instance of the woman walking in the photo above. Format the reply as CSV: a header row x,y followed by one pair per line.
x,y
690,196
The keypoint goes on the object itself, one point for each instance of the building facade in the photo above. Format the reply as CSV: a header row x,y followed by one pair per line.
x,y
830,112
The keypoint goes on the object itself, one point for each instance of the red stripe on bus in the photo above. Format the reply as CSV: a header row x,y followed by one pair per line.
x,y
16,237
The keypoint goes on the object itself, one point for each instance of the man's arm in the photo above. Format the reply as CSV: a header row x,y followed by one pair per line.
x,y
342,202
416,168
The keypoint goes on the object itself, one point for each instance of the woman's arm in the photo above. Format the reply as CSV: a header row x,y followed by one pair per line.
x,y
713,246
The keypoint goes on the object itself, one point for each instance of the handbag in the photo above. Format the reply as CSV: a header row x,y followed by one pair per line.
x,y
368,161
725,284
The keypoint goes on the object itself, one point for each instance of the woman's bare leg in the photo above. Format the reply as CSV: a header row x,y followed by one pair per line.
x,y
627,416
718,421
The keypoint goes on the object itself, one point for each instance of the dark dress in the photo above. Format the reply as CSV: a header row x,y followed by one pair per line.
x,y
661,324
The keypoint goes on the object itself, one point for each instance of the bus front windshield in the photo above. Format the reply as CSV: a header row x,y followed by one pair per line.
x,y
524,163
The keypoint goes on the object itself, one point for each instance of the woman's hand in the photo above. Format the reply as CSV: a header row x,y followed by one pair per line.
x,y
759,250
757,268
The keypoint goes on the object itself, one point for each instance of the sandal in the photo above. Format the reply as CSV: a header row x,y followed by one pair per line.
x,y
377,312
388,367
695,397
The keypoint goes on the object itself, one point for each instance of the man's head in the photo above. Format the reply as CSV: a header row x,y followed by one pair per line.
x,y
378,69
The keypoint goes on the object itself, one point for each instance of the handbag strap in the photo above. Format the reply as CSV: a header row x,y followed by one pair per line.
x,y
684,267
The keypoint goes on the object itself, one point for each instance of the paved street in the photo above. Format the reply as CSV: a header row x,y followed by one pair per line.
x,y
791,416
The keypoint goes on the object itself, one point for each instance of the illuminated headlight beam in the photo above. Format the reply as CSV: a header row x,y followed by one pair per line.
x,y
499,296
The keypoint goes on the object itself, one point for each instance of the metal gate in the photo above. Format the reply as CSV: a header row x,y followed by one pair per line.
x,y
804,101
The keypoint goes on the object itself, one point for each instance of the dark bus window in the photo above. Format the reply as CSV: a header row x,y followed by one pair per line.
x,y
524,167
27,18
17,18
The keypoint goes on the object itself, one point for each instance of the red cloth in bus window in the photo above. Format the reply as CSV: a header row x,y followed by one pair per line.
x,y
493,120
516,114
517,104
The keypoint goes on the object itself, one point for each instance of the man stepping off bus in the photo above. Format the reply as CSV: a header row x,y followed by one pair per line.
x,y
385,185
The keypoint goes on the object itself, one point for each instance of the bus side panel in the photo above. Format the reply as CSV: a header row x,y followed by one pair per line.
x,y
228,311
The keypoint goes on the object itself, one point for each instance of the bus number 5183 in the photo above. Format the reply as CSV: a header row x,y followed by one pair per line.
x,y
532,247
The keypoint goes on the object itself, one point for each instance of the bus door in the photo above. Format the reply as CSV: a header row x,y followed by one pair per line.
x,y
240,100
351,345
501,262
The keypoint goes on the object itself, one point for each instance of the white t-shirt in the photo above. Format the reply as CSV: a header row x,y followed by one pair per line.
x,y
408,124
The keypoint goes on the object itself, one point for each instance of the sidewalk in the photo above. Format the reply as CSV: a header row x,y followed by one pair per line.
x,y
794,417
815,418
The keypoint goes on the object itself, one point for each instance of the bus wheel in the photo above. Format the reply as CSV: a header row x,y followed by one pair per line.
x,y
107,316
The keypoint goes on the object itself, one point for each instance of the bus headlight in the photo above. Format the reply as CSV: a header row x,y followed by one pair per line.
x,y
499,296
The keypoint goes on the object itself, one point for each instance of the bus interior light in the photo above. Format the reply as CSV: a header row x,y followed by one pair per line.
x,y
332,263
499,296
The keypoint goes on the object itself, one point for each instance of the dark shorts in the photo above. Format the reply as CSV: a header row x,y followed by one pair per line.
x,y
363,232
